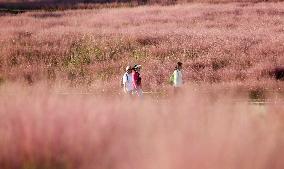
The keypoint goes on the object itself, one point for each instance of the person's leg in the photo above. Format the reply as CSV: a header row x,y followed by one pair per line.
x,y
176,90
127,93
140,92
130,93
134,92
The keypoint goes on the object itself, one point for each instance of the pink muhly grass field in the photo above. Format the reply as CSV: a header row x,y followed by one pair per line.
x,y
231,42
41,129
230,53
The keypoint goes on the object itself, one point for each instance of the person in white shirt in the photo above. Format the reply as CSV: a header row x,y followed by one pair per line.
x,y
177,77
127,81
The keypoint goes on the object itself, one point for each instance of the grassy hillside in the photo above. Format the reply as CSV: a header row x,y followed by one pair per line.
x,y
235,43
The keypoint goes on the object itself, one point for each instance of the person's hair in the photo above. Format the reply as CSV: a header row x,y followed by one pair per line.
x,y
179,63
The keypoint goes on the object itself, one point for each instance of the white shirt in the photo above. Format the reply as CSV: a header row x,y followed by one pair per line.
x,y
177,78
127,82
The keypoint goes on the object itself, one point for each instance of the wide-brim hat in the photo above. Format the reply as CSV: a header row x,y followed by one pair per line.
x,y
136,66
128,68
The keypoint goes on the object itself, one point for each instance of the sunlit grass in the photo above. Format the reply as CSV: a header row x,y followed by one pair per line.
x,y
217,43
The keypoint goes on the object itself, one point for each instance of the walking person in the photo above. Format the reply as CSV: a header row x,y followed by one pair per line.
x,y
176,78
127,81
137,81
